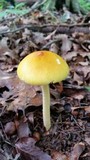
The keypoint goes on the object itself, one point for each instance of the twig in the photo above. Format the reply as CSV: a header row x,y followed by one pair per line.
x,y
68,29
74,86
77,123
3,131
49,43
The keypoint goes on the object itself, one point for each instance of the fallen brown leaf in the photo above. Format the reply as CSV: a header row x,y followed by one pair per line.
x,y
26,147
23,129
87,109
10,128
78,79
2,155
87,138
77,150
59,156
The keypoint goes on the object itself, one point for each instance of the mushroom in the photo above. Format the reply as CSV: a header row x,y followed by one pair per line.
x,y
42,68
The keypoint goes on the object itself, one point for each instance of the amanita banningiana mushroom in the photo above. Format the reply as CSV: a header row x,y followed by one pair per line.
x,y
42,68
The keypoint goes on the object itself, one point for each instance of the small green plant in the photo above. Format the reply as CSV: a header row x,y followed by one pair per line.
x,y
3,3
85,5
19,9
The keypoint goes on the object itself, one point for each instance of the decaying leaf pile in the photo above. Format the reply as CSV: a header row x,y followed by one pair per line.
x,y
22,135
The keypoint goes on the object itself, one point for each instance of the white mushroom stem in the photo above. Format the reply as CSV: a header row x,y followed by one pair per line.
x,y
46,106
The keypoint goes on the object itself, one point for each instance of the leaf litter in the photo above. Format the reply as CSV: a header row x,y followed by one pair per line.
x,y
22,133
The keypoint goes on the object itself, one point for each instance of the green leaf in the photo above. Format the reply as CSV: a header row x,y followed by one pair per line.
x,y
16,11
85,5
88,88
20,6
2,14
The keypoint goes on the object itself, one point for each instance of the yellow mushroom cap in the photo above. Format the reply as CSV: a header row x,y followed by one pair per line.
x,y
42,67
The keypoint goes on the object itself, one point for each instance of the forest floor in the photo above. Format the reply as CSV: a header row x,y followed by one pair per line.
x,y
22,134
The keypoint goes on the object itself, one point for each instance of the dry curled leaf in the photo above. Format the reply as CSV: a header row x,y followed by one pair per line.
x,y
23,130
77,150
87,138
66,44
2,155
10,128
59,156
